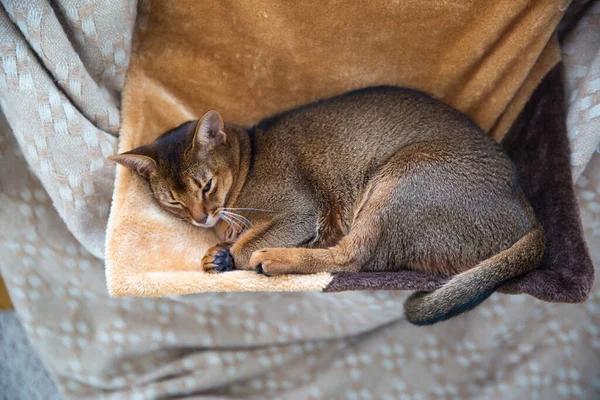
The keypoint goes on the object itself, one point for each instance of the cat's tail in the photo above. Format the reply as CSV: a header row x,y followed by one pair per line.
x,y
466,290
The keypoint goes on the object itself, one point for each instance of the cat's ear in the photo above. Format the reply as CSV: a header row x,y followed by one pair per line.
x,y
209,130
138,159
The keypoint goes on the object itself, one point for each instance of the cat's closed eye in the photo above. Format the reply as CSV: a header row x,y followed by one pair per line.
x,y
175,203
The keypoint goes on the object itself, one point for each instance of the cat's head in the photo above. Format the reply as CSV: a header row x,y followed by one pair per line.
x,y
189,168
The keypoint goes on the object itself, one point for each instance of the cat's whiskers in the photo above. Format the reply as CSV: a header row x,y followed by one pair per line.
x,y
231,223
246,209
241,219
226,221
237,223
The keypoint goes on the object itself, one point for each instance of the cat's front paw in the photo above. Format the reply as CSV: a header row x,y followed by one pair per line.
x,y
275,262
218,259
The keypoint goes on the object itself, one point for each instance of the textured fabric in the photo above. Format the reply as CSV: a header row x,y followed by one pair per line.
x,y
63,66
581,53
249,60
350,345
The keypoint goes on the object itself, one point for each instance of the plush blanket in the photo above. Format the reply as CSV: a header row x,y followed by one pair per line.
x,y
252,60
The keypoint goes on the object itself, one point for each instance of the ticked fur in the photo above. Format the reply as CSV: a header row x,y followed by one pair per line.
x,y
374,180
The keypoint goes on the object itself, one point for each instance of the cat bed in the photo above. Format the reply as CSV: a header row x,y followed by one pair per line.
x,y
253,60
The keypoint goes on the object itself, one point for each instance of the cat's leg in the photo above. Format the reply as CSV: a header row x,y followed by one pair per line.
x,y
284,230
348,255
352,252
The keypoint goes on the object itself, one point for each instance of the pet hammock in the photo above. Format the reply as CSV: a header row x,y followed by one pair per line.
x,y
293,55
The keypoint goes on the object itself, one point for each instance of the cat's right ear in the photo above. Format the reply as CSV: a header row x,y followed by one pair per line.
x,y
140,163
209,130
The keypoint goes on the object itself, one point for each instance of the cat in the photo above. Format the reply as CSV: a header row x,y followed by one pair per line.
x,y
378,179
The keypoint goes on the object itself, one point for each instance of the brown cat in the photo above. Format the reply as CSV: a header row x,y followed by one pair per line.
x,y
377,179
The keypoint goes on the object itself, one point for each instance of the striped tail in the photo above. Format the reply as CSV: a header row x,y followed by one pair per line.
x,y
468,289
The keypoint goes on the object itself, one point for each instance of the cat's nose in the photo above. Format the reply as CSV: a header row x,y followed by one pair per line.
x,y
201,220
198,213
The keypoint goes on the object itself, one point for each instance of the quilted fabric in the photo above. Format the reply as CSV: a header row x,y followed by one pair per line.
x,y
63,67
581,54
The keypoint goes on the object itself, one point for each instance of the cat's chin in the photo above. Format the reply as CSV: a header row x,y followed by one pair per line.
x,y
211,222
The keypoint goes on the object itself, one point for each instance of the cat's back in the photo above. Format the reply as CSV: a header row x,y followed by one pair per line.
x,y
368,126
370,116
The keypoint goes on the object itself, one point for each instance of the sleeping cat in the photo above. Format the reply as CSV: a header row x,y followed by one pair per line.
x,y
378,179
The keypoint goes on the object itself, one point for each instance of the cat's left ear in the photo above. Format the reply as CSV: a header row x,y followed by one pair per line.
x,y
140,160
209,130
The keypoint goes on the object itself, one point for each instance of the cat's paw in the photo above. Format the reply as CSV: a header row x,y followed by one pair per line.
x,y
274,261
218,259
